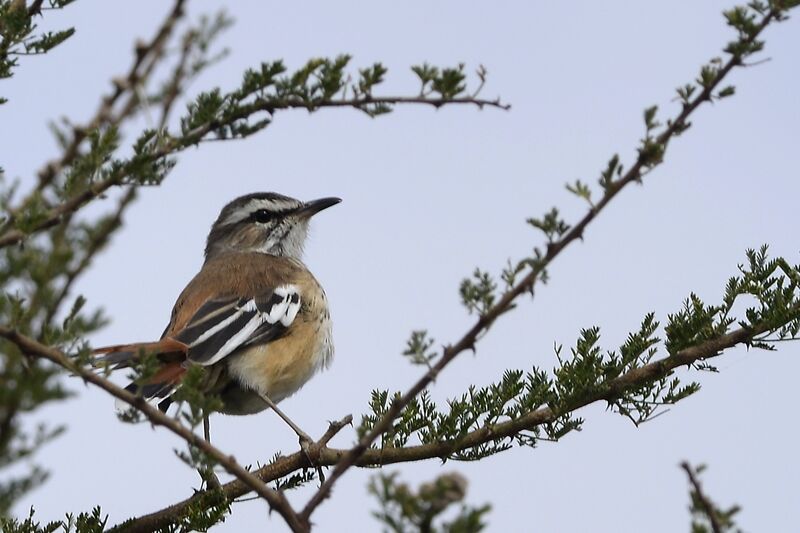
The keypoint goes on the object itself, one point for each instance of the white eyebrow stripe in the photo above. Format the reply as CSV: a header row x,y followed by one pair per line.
x,y
236,216
274,205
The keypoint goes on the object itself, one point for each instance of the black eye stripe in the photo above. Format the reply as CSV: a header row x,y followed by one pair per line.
x,y
263,215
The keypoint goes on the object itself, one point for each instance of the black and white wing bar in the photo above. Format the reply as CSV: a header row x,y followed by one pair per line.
x,y
222,326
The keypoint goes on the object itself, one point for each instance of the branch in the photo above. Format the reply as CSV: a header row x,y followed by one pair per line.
x,y
363,453
277,501
173,145
173,87
195,41
98,240
35,8
372,457
643,163
147,54
705,505
109,225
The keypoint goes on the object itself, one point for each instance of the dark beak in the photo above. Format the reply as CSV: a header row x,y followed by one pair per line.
x,y
313,207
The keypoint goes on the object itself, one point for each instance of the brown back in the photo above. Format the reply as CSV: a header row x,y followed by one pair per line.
x,y
230,274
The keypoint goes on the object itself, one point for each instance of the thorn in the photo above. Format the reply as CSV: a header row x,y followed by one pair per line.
x,y
140,47
120,83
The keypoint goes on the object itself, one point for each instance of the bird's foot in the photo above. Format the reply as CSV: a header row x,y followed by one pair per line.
x,y
311,452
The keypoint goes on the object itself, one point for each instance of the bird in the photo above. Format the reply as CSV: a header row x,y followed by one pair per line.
x,y
254,317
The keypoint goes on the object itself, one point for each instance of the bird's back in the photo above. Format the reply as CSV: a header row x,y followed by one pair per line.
x,y
238,274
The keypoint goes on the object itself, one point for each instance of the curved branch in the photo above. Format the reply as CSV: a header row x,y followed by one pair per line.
x,y
706,505
372,457
174,145
277,501
97,242
147,54
506,302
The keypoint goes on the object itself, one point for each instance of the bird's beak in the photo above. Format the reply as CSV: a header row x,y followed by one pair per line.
x,y
313,207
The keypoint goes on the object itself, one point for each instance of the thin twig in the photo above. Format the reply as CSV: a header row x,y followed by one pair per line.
x,y
707,506
98,241
103,115
173,86
174,145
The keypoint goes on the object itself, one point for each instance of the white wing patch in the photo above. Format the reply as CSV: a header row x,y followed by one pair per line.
x,y
286,310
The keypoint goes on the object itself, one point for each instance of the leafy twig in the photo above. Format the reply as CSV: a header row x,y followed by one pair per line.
x,y
173,145
146,57
650,155
99,238
377,457
276,500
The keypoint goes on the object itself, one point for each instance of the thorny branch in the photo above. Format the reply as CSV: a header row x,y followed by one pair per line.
x,y
98,241
506,302
173,145
362,454
276,500
708,508
439,450
146,56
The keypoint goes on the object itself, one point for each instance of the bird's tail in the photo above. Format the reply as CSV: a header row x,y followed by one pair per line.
x,y
171,355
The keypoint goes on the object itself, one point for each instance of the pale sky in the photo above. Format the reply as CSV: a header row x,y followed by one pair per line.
x,y
429,195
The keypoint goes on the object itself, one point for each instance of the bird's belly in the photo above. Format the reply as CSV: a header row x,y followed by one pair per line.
x,y
277,370
239,401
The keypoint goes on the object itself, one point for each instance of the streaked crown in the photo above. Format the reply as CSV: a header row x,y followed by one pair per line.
x,y
264,222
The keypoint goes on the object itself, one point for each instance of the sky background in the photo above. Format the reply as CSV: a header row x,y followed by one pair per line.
x,y
431,194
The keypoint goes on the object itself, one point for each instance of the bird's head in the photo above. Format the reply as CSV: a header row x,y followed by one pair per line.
x,y
264,222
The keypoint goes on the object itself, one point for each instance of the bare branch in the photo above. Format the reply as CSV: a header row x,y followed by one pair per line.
x,y
174,86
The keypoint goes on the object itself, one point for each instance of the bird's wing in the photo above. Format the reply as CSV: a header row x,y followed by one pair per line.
x,y
222,326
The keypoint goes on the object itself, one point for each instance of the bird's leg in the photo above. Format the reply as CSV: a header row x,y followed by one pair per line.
x,y
206,429
303,436
305,440
207,474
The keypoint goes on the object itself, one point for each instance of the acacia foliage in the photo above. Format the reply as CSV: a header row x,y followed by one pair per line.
x,y
46,244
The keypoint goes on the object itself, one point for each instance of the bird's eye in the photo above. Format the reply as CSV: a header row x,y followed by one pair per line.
x,y
262,215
